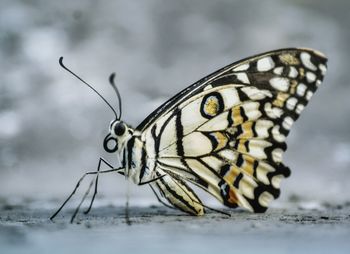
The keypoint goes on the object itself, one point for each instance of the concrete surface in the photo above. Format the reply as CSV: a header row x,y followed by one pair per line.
x,y
156,229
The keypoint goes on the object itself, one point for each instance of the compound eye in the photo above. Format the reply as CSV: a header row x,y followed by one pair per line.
x,y
119,129
110,144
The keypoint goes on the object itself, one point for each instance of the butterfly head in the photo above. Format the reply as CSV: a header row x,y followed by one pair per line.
x,y
119,132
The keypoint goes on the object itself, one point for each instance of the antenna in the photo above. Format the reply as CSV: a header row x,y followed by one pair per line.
x,y
111,81
75,75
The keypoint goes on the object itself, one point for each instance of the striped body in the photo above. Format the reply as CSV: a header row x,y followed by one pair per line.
x,y
141,166
226,133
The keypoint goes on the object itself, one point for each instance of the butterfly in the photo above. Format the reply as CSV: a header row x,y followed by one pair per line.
x,y
225,134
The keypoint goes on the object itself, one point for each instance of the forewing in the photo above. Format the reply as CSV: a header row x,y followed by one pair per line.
x,y
227,135
246,71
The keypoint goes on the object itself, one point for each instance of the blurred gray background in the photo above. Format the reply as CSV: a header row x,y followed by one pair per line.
x,y
52,126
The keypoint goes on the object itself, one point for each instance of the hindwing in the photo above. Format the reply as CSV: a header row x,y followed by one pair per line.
x,y
227,132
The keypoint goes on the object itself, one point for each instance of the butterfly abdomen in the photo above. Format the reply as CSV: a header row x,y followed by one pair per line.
x,y
179,194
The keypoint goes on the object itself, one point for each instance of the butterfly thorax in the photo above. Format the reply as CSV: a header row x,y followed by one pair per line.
x,y
130,149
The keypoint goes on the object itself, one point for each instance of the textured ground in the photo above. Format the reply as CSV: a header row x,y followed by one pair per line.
x,y
161,230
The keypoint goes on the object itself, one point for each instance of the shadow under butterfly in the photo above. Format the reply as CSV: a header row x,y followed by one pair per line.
x,y
225,134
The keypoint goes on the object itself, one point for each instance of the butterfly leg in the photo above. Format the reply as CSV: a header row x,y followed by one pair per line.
x,y
119,170
89,188
96,182
152,180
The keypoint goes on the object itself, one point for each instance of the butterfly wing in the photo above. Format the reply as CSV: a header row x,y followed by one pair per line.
x,y
226,133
